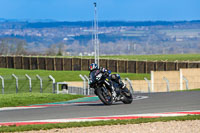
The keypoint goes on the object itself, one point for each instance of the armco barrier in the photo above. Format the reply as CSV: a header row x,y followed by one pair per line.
x,y
78,64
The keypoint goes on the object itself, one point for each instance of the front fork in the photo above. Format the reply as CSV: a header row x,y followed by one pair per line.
x,y
110,86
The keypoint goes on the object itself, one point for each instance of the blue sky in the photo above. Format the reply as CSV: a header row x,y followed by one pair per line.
x,y
76,10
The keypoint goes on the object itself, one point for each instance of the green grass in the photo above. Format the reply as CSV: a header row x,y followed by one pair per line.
x,y
169,57
97,123
189,90
60,76
23,99
64,75
172,57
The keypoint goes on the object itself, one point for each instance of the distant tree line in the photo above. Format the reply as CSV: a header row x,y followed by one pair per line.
x,y
89,24
15,46
10,46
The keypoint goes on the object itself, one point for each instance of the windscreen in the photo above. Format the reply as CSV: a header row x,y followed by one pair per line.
x,y
93,75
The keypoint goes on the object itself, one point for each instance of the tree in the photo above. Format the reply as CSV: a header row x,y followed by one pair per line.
x,y
20,47
60,49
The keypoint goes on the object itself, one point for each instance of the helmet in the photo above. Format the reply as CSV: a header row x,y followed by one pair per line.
x,y
93,66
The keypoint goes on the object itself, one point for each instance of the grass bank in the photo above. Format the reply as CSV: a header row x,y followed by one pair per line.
x,y
60,76
64,75
161,57
97,123
23,99
189,90
170,57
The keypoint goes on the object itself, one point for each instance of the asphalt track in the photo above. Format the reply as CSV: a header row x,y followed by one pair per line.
x,y
142,104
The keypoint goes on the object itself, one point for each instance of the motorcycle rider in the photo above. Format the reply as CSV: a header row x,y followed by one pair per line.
x,y
114,77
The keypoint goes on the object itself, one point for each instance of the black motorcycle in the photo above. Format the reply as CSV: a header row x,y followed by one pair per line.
x,y
107,89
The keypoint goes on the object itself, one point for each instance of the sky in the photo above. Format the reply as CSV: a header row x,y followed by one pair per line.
x,y
83,10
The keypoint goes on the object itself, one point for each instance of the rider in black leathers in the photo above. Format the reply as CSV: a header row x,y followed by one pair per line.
x,y
113,77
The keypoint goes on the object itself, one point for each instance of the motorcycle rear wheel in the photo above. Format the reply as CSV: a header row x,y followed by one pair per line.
x,y
106,98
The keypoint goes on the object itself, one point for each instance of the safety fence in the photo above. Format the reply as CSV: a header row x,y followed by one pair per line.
x,y
78,64
164,86
25,83
10,84
162,81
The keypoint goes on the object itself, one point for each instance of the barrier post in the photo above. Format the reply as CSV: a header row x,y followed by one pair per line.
x,y
2,79
88,88
54,83
84,84
186,82
149,84
130,84
181,80
17,85
30,85
167,81
152,81
37,76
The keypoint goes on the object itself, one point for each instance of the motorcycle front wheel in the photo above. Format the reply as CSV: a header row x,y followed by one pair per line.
x,y
127,96
105,95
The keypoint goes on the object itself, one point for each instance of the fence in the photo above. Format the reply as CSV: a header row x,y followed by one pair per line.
x,y
25,83
162,81
78,64
10,84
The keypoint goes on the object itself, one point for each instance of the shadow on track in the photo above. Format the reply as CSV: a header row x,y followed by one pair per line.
x,y
98,104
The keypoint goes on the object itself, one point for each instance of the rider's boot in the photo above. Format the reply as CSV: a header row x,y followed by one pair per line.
x,y
122,85
124,88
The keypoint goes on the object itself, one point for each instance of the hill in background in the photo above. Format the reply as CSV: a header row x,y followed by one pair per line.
x,y
116,37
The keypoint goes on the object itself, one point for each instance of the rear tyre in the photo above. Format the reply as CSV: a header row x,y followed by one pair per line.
x,y
127,96
105,96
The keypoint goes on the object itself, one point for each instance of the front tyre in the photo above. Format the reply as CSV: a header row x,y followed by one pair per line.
x,y
127,96
105,95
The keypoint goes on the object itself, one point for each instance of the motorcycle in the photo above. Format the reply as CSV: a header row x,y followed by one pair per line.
x,y
107,89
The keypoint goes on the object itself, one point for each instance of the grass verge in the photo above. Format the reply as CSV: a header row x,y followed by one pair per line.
x,y
97,123
188,90
23,99
60,76
64,75
168,57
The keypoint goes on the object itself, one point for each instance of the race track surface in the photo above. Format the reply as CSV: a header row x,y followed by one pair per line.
x,y
142,104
